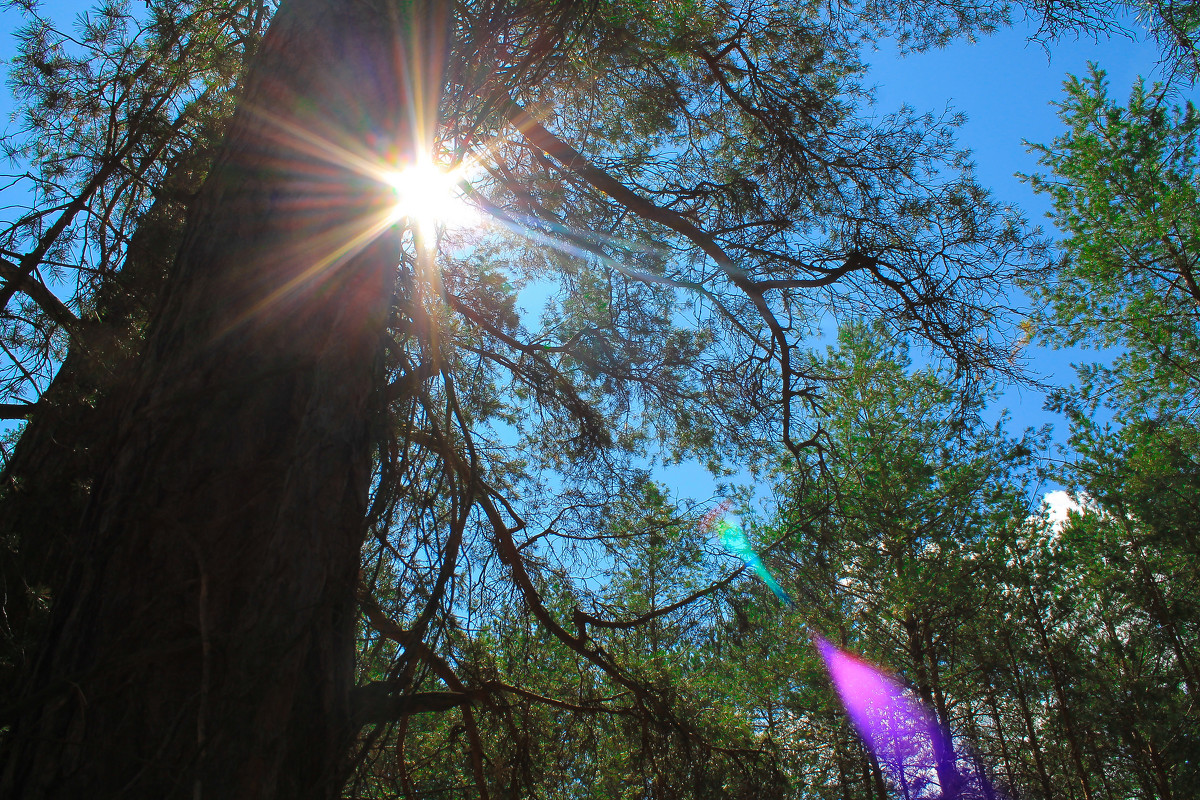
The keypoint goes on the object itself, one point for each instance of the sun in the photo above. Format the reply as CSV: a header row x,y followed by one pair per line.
x,y
429,196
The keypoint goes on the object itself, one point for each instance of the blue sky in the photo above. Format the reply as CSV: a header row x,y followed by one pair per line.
x,y
1005,86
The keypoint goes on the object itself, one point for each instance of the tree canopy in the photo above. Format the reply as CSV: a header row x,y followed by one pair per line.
x,y
238,369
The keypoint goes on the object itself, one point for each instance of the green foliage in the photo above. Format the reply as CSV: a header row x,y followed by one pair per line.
x,y
1124,187
1118,582
916,547
674,721
539,618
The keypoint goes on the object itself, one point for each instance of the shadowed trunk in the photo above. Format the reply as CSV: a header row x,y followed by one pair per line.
x,y
1074,746
47,483
203,644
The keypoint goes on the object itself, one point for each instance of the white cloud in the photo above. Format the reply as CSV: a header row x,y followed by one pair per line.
x,y
1056,505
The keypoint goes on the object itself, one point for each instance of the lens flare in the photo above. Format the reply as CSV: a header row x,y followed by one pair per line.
x,y
429,196
735,542
894,725
904,736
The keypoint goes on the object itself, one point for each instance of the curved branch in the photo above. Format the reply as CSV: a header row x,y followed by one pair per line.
x,y
574,161
374,703
18,279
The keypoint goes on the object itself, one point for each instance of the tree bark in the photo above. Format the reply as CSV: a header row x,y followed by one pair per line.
x,y
47,483
998,721
949,781
1060,694
203,644
1022,696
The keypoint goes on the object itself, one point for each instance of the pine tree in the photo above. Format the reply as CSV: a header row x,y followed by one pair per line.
x,y
201,640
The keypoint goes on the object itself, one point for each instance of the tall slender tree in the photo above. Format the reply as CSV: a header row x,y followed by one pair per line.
x,y
1124,191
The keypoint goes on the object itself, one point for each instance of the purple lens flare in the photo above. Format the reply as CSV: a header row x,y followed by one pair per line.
x,y
903,735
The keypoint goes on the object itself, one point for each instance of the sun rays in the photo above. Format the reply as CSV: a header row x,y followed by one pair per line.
x,y
429,197
349,191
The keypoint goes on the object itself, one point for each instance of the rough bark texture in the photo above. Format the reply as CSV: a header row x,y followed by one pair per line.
x,y
203,646
47,483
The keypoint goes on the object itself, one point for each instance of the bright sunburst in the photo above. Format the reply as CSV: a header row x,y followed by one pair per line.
x,y
429,196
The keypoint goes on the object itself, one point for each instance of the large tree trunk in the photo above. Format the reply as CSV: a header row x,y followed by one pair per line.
x,y
46,484
203,646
